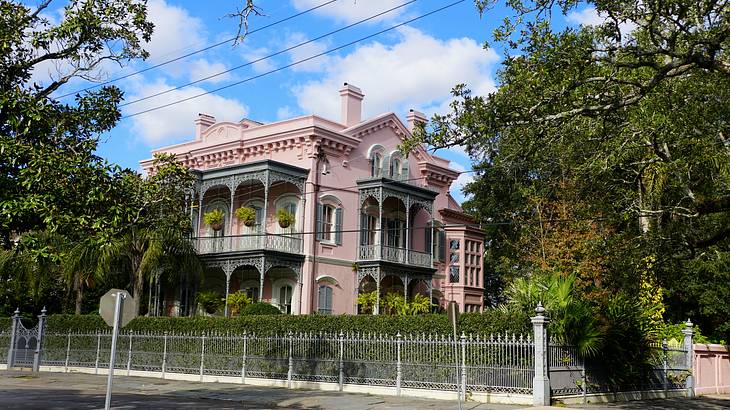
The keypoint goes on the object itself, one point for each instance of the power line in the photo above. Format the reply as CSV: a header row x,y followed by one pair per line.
x,y
329,51
267,56
220,43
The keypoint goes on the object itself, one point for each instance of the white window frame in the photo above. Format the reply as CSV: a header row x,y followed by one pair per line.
x,y
282,202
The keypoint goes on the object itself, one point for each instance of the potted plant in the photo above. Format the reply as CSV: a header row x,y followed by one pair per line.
x,y
214,219
285,218
247,215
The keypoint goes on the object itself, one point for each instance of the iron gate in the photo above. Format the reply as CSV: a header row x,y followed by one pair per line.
x,y
25,344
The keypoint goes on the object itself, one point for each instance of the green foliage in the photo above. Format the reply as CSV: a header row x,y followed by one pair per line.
x,y
247,215
260,308
488,322
367,301
237,302
285,218
213,218
396,304
210,301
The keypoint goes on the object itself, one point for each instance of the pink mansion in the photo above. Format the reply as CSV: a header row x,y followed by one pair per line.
x,y
366,218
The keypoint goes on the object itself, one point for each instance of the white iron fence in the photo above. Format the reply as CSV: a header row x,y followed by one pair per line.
x,y
475,364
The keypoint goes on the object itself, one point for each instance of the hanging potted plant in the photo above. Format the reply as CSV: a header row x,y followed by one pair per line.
x,y
214,219
247,215
285,218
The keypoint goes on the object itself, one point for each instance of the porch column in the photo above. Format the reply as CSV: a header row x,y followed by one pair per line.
x,y
405,287
228,283
430,251
262,229
230,220
381,226
262,272
408,230
376,310
200,213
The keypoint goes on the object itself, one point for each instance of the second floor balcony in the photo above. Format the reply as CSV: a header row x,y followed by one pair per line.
x,y
394,254
242,243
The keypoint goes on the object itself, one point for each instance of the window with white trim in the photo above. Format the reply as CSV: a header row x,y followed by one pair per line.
x,y
376,163
328,223
290,204
284,297
324,305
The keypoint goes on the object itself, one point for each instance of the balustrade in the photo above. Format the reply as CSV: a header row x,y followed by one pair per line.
x,y
394,254
274,242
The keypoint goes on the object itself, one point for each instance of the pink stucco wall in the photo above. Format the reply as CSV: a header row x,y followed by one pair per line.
x,y
711,369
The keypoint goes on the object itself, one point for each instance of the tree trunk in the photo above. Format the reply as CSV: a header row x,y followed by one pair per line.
x,y
79,288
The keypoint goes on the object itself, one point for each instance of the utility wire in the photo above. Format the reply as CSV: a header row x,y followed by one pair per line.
x,y
329,51
238,67
220,43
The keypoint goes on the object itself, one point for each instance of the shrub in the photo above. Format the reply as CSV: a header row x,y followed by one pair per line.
x,y
237,302
247,215
260,308
489,322
209,300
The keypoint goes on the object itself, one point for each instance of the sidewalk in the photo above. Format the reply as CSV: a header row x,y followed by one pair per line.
x,y
24,390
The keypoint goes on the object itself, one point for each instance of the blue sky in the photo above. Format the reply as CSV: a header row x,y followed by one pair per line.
x,y
414,66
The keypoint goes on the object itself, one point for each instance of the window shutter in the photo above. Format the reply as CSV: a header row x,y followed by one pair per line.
x,y
385,167
328,298
322,296
429,242
442,245
338,226
259,219
363,229
319,228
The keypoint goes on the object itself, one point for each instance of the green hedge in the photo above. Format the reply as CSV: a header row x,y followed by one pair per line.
x,y
491,321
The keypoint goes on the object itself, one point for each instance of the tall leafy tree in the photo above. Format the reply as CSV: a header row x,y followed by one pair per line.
x,y
626,124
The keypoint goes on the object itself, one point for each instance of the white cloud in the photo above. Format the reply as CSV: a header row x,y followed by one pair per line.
x,y
306,51
589,16
284,113
252,54
174,123
202,68
175,31
419,72
349,11
586,17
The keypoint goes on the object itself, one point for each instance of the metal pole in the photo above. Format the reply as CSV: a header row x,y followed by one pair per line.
x,y
68,352
164,354
202,356
398,368
342,363
39,343
291,362
13,332
115,333
98,351
243,365
463,367
129,354
665,365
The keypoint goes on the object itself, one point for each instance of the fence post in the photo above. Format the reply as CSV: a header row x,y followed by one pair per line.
x,y
13,332
398,366
243,365
164,353
463,366
291,361
202,356
39,342
98,352
68,352
342,360
689,347
665,367
129,354
541,381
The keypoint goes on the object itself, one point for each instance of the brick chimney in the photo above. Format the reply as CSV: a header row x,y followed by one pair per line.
x,y
202,123
415,117
351,98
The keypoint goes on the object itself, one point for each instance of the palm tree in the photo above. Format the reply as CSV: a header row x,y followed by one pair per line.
x,y
145,252
81,269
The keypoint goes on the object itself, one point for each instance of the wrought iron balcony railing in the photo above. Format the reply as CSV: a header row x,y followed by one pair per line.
x,y
394,254
290,243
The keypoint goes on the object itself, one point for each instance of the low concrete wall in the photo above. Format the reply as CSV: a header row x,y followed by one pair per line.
x,y
502,398
711,369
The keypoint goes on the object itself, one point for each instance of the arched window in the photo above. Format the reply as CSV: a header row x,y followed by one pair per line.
x,y
395,168
376,163
223,207
258,225
329,220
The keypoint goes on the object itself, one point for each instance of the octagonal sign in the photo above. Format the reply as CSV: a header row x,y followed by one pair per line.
x,y
108,303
